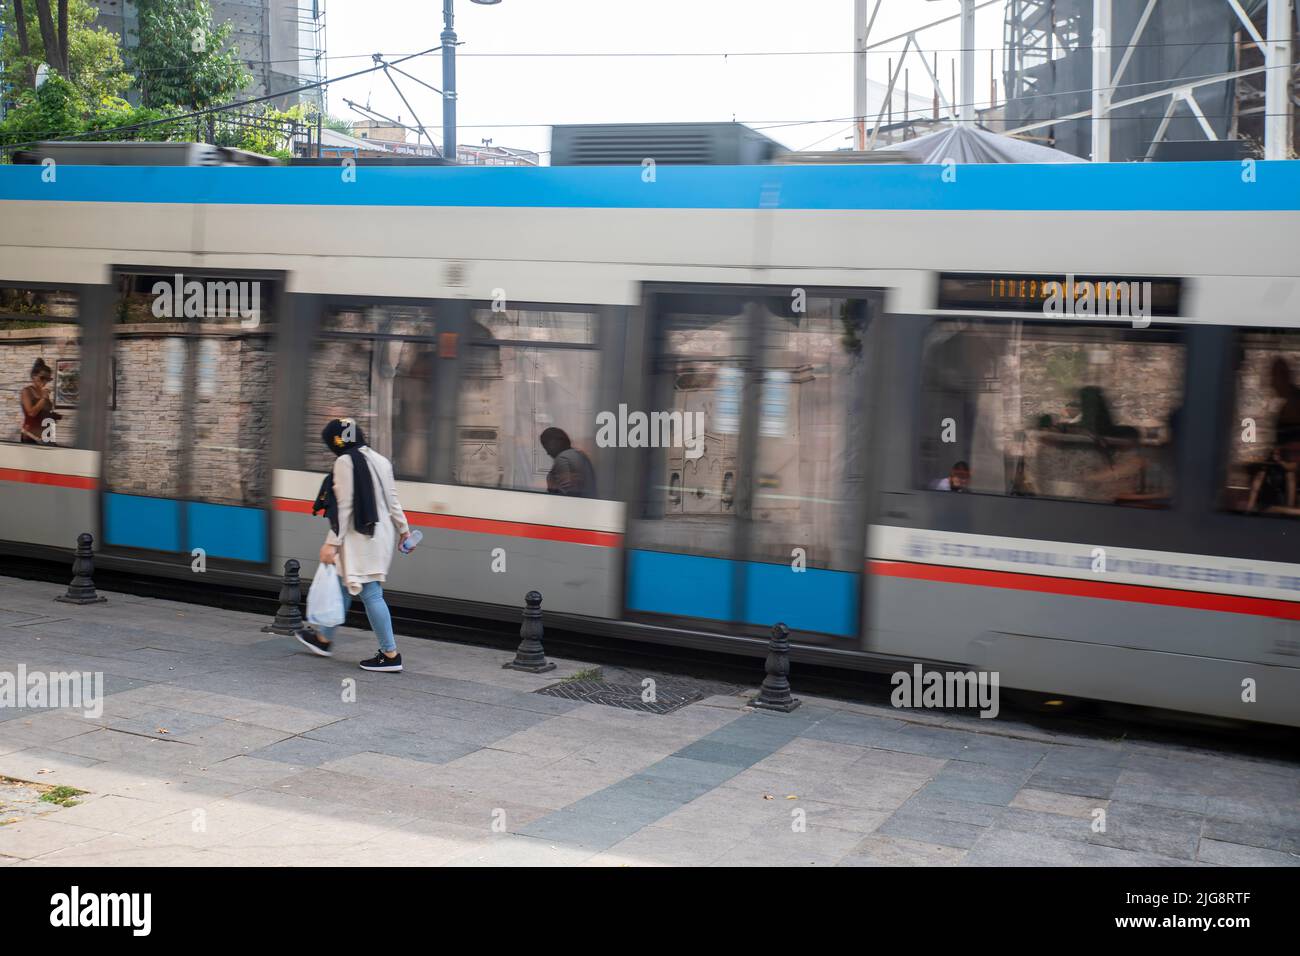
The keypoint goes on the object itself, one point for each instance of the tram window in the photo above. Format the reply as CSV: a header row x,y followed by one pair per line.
x,y
537,325
193,370
809,435
40,366
699,375
1080,412
375,365
1264,449
512,395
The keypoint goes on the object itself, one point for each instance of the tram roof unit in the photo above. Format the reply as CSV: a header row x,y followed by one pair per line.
x,y
1158,187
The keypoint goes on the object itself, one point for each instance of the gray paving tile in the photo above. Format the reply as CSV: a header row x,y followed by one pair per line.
x,y
1007,752
304,751
582,829
930,741
856,729
669,847
1253,833
1001,847
1056,826
1234,854
693,771
731,755
1097,781
924,829
924,804
975,783
1144,829
880,850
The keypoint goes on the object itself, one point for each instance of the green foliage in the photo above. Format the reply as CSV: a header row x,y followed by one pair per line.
x,y
62,796
94,63
180,60
59,110
338,125
265,130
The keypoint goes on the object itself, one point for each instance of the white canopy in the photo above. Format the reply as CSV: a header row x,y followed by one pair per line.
x,y
974,144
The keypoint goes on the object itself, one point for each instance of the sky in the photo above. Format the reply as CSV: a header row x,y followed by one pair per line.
x,y
513,87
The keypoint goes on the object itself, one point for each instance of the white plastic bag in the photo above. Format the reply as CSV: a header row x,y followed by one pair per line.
x,y
325,600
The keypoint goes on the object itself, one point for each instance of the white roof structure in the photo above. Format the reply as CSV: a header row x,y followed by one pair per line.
x,y
334,140
974,144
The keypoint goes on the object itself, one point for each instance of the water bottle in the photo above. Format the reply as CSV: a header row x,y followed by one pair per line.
x,y
409,545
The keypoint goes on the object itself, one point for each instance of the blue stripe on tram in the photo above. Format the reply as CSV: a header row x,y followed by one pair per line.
x,y
226,531
687,585
1217,186
131,521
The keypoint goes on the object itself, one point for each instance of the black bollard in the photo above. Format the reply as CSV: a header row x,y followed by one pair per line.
x,y
775,692
288,618
530,656
82,588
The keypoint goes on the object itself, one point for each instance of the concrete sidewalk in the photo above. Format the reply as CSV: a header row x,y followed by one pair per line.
x,y
219,744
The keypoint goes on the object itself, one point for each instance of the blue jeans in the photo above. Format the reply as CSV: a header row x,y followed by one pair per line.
x,y
381,622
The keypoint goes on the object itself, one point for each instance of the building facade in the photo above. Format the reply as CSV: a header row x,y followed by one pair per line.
x,y
282,42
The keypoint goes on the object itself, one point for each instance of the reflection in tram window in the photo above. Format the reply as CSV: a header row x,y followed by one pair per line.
x,y
809,438
199,382
375,365
513,394
40,366
536,325
1087,413
1264,451
805,466
690,503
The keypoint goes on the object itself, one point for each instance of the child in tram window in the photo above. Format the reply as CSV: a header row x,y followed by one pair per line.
x,y
38,405
958,479
359,498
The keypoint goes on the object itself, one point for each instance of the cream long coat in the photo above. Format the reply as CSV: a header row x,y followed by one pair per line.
x,y
362,558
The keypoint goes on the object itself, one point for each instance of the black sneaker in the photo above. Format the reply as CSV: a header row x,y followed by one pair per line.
x,y
311,640
381,663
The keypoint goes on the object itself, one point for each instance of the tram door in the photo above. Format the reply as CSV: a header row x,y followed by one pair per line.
x,y
188,451
752,501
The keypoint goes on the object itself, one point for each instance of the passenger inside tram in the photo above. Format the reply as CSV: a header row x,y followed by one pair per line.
x,y
37,401
572,473
958,479
1274,483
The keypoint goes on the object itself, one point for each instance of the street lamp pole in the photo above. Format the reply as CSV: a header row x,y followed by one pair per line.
x,y
448,38
448,81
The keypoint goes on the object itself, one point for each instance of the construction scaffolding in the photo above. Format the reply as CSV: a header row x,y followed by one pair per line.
x,y
1114,81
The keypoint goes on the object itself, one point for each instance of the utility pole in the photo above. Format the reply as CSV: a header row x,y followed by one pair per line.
x,y
448,81
967,92
1277,81
1102,88
859,74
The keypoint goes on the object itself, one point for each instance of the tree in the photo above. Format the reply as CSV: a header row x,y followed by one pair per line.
x,y
58,109
94,65
180,59
56,43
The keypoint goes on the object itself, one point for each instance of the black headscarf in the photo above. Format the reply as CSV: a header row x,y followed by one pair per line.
x,y
365,512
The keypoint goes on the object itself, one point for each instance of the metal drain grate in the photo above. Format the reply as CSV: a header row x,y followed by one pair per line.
x,y
626,696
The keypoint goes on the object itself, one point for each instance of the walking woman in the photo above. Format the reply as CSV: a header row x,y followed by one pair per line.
x,y
359,498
